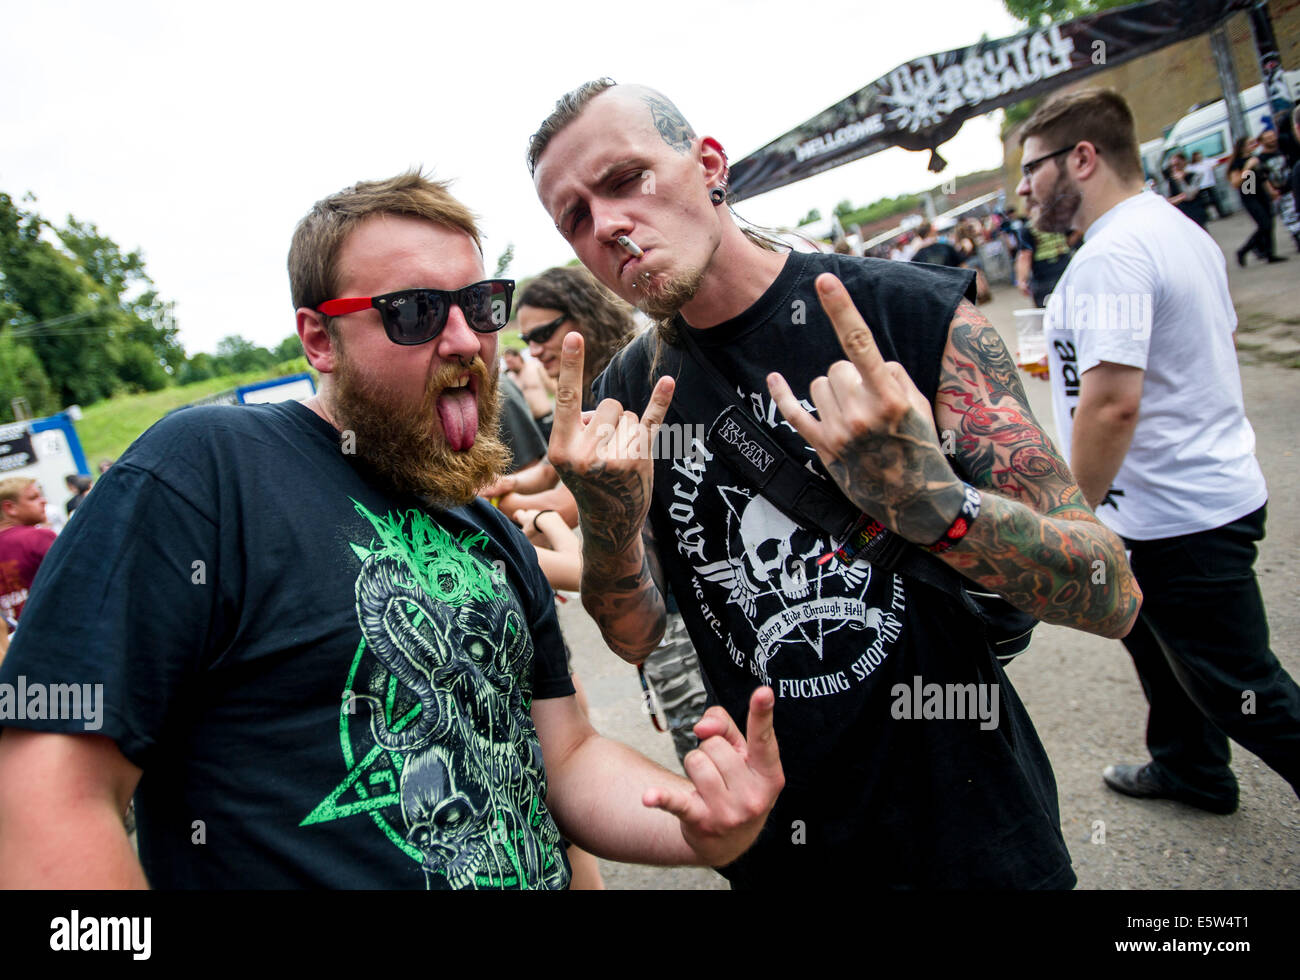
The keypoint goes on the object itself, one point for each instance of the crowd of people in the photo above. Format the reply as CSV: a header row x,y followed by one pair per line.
x,y
1264,173
1036,258
348,669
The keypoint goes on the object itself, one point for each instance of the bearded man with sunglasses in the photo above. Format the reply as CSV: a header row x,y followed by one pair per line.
x,y
325,662
882,791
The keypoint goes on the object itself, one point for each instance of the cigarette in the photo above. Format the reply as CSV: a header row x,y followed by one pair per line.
x,y
631,246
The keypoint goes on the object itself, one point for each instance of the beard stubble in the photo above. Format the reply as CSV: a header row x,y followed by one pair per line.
x,y
1056,212
663,298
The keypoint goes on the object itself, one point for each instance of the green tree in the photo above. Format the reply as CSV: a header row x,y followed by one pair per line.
x,y
288,349
22,376
88,312
149,320
504,260
198,368
55,308
1039,12
236,354
812,216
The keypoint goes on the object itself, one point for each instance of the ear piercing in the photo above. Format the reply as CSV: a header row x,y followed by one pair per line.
x,y
717,195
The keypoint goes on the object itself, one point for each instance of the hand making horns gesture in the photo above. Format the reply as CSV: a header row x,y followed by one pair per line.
x,y
875,430
604,457
736,779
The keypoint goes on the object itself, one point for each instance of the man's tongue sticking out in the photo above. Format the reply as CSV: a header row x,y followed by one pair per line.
x,y
458,412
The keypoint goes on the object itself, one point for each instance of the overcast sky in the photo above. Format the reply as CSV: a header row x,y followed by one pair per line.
x,y
200,134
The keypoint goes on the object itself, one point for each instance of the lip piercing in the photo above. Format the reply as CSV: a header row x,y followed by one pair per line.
x,y
633,249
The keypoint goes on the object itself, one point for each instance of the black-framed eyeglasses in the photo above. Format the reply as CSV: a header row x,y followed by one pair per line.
x,y
416,316
1028,168
540,335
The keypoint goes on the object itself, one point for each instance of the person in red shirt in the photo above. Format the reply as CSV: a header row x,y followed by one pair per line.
x,y
22,544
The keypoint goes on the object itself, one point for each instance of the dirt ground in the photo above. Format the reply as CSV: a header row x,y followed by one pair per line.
x,y
1081,690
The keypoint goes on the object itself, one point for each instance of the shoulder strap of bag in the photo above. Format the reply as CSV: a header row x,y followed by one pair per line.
x,y
814,502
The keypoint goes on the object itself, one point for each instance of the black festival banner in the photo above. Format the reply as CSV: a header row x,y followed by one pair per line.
x,y
16,449
923,103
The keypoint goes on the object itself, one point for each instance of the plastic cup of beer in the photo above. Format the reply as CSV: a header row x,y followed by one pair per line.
x,y
1031,341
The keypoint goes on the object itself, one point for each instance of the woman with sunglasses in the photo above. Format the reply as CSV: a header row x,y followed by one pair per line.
x,y
568,298
558,301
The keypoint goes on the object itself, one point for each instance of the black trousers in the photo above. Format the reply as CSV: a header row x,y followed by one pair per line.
x,y
1202,653
1209,198
1194,209
1259,208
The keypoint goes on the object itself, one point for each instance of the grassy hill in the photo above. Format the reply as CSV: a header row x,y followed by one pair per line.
x,y
108,427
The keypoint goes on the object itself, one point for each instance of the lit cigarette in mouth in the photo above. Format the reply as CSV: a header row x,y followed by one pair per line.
x,y
633,249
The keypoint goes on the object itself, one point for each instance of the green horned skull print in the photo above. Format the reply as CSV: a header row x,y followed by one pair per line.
x,y
438,744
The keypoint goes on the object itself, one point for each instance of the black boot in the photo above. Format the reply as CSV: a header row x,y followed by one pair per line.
x,y
1241,256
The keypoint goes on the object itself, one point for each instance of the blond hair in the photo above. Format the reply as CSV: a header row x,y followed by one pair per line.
x,y
12,487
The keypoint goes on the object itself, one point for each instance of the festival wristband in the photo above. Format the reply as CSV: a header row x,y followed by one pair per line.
x,y
970,509
865,529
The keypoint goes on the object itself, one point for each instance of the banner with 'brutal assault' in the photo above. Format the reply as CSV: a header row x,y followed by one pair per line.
x,y
923,103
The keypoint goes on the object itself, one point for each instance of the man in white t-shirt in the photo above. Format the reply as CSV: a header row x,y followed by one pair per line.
x,y
1201,173
1148,401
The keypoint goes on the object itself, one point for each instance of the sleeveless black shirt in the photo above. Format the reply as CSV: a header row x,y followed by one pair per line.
x,y
879,791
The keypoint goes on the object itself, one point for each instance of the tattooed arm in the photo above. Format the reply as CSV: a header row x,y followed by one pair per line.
x,y
622,590
605,461
1035,543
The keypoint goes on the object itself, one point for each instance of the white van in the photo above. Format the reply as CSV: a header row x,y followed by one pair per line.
x,y
1205,128
1151,151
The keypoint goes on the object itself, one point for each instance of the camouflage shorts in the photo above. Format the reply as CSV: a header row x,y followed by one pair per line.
x,y
673,672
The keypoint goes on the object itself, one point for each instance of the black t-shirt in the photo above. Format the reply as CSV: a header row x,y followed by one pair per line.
x,y
325,684
871,799
519,429
1177,186
1193,207
938,253
1238,164
1273,167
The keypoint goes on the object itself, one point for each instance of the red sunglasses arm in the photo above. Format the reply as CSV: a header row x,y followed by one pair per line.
x,y
338,307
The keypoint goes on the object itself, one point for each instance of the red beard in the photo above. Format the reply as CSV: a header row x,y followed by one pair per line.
x,y
446,447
